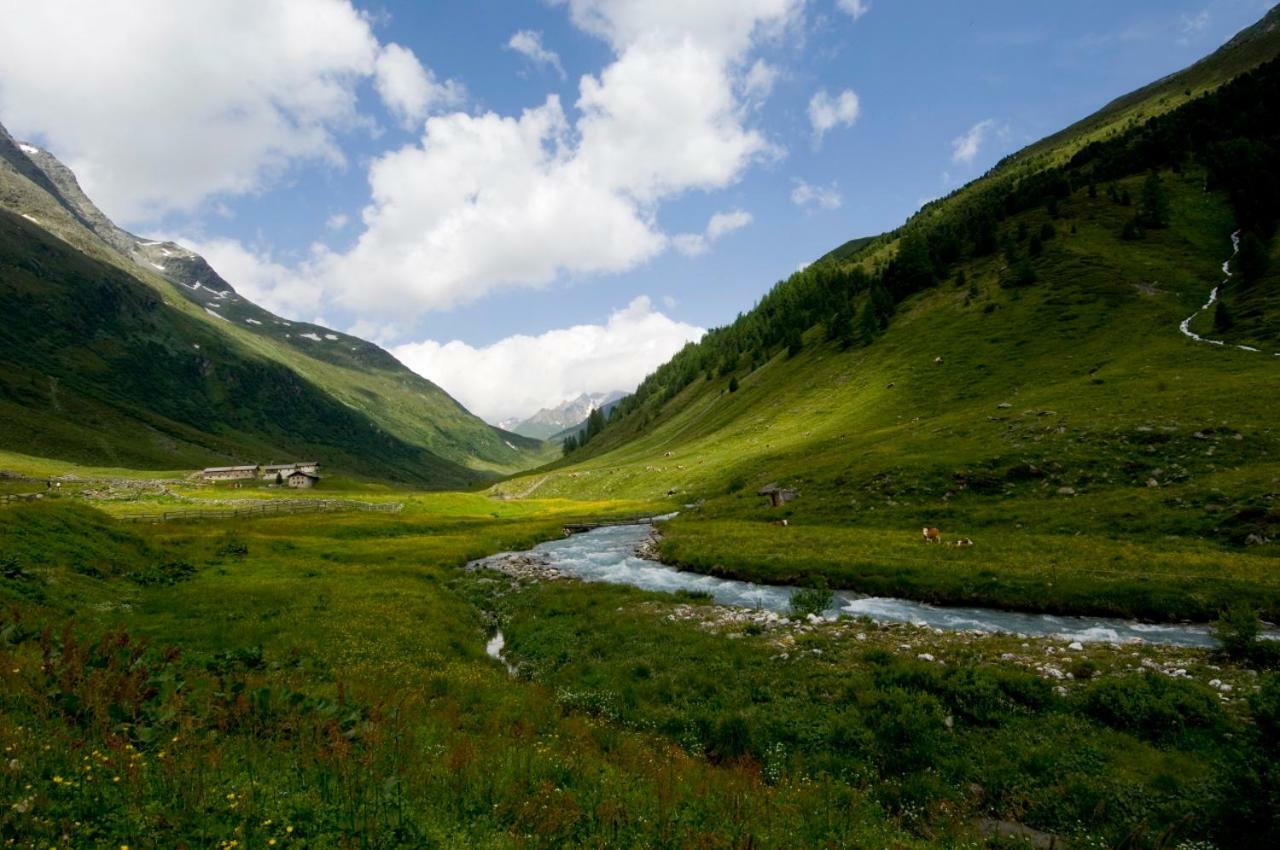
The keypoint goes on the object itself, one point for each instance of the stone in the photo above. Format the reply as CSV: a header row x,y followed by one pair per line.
x,y
1004,405
1066,491
1075,646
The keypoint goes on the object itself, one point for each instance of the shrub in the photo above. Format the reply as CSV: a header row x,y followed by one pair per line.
x,y
1154,706
811,600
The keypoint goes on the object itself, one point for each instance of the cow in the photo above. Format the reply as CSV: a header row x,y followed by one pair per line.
x,y
781,522
963,541
932,535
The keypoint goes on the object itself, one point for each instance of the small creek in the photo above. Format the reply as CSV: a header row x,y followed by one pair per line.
x,y
609,555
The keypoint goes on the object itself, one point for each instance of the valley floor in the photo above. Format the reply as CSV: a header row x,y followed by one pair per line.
x,y
322,682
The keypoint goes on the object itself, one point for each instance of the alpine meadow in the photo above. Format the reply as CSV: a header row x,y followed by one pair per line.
x,y
367,529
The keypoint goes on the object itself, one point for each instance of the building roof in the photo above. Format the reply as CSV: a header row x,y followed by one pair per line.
x,y
275,466
230,468
300,472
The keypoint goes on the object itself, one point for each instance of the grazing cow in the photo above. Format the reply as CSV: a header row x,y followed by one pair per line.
x,y
781,522
932,535
963,541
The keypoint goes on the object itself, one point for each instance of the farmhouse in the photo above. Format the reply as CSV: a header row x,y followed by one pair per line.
x,y
229,473
271,470
299,479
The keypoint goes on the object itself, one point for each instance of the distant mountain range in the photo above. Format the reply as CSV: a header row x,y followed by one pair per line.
x,y
122,351
563,419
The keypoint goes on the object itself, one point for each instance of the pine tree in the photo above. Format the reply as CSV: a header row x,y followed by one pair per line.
x,y
795,342
868,323
595,424
1153,210
1252,261
733,384
1223,321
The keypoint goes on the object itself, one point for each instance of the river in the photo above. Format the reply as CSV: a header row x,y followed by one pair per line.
x,y
609,555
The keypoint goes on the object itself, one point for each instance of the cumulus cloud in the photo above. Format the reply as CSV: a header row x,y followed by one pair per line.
x,y
804,194
964,148
408,89
490,201
528,43
720,224
337,221
479,202
827,112
151,125
854,8
497,381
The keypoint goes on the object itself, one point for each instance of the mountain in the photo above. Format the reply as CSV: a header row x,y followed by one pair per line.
x,y
606,409
133,352
1010,364
550,422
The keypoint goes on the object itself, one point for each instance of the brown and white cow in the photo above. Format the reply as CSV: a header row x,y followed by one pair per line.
x,y
932,535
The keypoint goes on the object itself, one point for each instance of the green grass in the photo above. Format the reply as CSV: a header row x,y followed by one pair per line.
x,y
323,683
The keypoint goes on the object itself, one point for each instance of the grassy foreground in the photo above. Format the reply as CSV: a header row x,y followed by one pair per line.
x,y
322,682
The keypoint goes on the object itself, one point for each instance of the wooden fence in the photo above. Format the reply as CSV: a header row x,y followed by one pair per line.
x,y
269,508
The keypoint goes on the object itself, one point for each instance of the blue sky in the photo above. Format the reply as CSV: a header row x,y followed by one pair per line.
x,y
398,169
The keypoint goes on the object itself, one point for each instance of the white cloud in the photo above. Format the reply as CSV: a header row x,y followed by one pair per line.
x,y
827,112
152,122
805,194
409,90
727,222
529,44
486,202
965,148
257,275
758,82
337,221
720,224
478,203
1195,23
497,381
854,8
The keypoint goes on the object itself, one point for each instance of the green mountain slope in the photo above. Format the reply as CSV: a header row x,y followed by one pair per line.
x,y
365,412
1007,366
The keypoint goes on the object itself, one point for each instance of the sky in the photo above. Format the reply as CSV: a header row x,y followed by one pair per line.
x,y
524,200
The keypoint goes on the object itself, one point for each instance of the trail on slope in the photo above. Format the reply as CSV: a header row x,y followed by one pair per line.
x,y
1185,327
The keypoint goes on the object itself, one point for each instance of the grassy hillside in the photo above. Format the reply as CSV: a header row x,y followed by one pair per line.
x,y
95,420
1007,367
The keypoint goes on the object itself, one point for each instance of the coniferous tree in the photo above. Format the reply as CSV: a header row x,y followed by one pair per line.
x,y
795,342
733,384
1223,321
1252,261
595,424
868,323
1153,210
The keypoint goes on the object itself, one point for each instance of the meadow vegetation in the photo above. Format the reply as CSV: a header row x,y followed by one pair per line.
x,y
323,684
